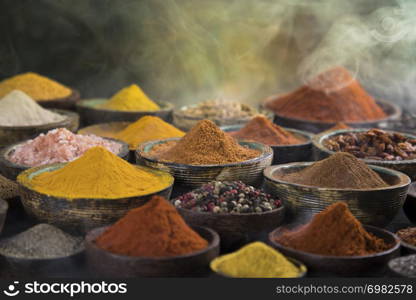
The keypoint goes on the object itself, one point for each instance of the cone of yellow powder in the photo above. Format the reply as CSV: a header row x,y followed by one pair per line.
x,y
130,98
256,260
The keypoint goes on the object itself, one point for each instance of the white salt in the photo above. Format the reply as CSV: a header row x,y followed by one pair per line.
x,y
19,109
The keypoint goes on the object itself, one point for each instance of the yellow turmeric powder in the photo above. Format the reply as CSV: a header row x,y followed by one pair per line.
x,y
146,129
256,260
38,87
99,174
130,98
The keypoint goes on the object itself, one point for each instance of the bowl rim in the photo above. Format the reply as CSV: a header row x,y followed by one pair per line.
x,y
306,135
279,209
26,174
395,114
67,114
319,139
266,152
300,265
314,256
395,272
5,153
93,234
164,106
404,180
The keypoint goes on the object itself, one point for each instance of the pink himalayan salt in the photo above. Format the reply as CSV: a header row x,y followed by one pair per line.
x,y
58,146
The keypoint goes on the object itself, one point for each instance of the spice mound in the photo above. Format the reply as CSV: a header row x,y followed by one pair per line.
x,y
18,109
153,230
255,260
337,126
8,188
204,144
98,174
130,98
36,86
374,144
42,241
146,129
219,110
333,96
58,146
340,170
227,197
262,130
408,235
335,232
405,265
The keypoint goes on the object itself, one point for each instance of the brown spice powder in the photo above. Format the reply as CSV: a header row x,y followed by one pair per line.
x,y
262,130
340,170
334,231
204,144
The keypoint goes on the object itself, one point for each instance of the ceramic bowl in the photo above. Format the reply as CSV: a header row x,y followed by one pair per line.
x,y
10,170
409,206
371,206
392,111
346,266
67,103
13,134
235,230
283,154
193,176
80,214
406,247
188,265
91,114
320,152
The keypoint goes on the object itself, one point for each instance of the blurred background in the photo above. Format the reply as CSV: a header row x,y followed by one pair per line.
x,y
186,51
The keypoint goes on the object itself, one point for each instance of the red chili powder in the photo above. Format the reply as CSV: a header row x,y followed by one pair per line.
x,y
153,230
334,231
332,96
262,130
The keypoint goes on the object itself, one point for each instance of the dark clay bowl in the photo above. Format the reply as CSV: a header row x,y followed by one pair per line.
x,y
4,206
91,114
11,170
42,268
406,247
108,264
298,264
347,266
409,206
80,214
193,176
393,271
13,134
236,230
392,111
372,206
320,152
62,103
283,154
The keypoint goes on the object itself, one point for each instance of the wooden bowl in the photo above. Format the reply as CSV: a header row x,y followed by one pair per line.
x,y
80,214
393,271
392,111
67,103
193,176
347,266
298,264
13,134
371,206
116,265
91,114
283,154
236,230
4,206
406,166
409,206
11,170
48,267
